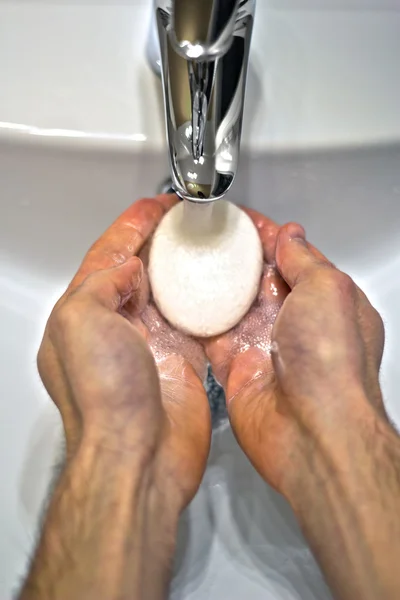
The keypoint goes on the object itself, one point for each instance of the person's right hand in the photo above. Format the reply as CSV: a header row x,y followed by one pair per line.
x,y
295,386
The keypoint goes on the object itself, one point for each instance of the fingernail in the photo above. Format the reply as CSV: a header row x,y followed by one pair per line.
x,y
296,232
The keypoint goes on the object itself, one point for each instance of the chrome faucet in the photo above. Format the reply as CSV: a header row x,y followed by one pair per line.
x,y
204,50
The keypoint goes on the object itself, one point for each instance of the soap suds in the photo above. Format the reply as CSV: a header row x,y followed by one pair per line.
x,y
249,344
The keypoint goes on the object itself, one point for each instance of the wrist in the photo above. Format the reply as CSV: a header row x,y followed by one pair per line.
x,y
347,506
106,510
131,469
347,452
144,520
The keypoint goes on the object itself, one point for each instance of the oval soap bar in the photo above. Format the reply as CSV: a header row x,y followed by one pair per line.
x,y
205,267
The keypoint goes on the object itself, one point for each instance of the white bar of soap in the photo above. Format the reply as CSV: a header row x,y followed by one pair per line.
x,y
206,262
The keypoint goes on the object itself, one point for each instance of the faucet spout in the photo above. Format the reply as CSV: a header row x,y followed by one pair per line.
x,y
204,51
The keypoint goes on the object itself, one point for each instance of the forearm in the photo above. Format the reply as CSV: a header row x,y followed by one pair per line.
x,y
349,508
106,534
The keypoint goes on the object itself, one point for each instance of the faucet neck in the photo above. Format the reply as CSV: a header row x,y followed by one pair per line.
x,y
204,50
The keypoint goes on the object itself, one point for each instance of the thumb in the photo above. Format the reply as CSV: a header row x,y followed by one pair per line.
x,y
113,287
296,259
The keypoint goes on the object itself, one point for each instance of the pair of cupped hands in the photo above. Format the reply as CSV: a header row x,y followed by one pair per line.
x,y
124,380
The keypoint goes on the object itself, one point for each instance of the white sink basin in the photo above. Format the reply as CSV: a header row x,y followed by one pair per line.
x,y
81,136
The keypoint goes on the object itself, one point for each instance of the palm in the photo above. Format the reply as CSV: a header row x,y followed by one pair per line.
x,y
242,355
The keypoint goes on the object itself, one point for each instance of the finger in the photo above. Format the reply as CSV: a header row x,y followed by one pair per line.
x,y
273,291
125,237
268,231
295,260
113,287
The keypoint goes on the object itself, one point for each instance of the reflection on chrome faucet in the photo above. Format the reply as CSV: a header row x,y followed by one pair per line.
x,y
204,50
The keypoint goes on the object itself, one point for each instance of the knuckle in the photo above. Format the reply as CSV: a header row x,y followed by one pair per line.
x,y
371,313
89,280
62,317
115,255
46,358
89,286
373,333
376,320
338,282
41,359
92,286
345,283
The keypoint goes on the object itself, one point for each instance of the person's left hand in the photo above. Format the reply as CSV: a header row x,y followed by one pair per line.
x,y
96,363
